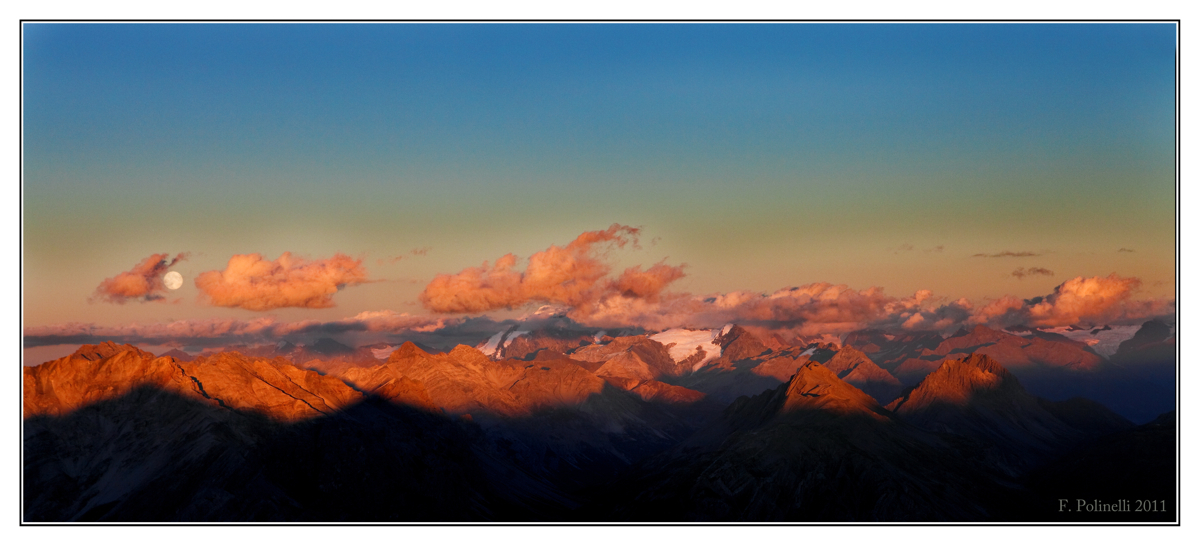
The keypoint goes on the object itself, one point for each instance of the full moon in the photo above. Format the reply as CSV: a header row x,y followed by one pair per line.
x,y
173,280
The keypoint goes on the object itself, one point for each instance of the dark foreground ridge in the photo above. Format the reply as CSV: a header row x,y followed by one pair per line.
x,y
112,433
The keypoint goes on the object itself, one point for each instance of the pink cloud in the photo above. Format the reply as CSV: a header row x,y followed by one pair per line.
x,y
824,308
1094,300
811,309
1082,300
143,282
648,284
252,282
574,275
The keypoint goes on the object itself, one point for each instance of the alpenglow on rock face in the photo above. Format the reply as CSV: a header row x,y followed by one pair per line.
x,y
607,429
274,388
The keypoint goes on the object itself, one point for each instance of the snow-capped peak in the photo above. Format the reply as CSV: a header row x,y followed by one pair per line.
x,y
682,343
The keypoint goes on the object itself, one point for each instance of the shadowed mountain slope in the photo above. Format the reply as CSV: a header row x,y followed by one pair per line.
x,y
1136,465
814,449
155,455
978,398
113,433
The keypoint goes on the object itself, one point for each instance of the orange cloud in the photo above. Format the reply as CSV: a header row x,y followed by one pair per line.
x,y
143,282
251,282
1093,300
1082,300
824,308
647,284
573,275
1006,311
811,309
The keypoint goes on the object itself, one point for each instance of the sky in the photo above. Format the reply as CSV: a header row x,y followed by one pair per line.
x,y
952,172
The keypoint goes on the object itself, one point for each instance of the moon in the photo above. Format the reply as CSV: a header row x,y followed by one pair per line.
x,y
173,280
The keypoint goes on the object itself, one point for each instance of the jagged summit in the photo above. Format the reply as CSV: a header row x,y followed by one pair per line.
x,y
815,387
230,380
103,350
406,351
738,344
959,382
978,398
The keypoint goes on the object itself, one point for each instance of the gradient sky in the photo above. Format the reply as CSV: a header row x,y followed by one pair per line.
x,y
761,155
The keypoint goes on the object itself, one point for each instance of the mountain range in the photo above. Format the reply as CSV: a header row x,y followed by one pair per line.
x,y
576,425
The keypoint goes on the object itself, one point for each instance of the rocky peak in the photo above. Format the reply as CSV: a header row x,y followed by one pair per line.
x,y
847,358
978,398
815,387
959,382
739,344
407,351
978,336
104,350
1153,331
465,354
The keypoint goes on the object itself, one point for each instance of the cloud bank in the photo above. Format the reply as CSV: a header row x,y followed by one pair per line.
x,y
575,278
812,310
222,332
142,283
824,308
252,282
577,282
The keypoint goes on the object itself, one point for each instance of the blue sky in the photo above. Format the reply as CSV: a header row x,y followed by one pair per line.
x,y
761,155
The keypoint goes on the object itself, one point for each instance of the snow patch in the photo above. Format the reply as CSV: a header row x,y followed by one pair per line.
x,y
384,353
599,336
513,336
493,343
686,341
809,351
1104,342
